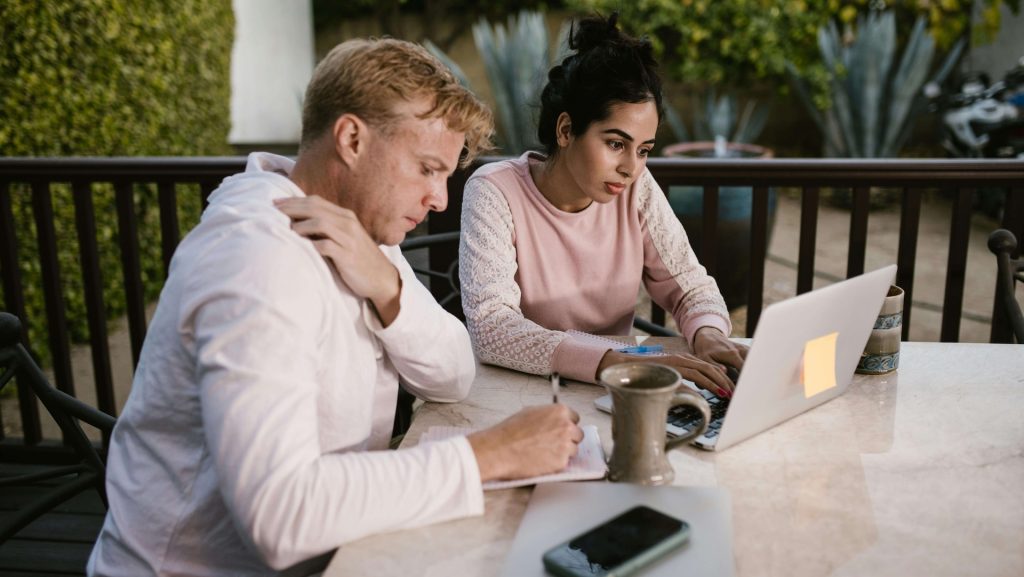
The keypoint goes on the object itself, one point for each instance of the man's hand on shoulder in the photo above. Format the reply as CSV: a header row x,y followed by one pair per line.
x,y
535,441
338,235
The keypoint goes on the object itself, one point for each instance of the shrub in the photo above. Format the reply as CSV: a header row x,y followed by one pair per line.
x,y
736,42
108,78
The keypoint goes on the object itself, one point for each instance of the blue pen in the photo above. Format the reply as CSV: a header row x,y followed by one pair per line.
x,y
642,350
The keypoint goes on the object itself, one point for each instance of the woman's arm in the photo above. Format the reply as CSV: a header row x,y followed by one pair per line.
x,y
491,297
673,276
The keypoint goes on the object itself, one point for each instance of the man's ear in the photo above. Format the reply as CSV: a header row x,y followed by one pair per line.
x,y
350,136
563,129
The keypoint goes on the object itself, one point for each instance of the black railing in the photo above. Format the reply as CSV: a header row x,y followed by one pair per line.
x,y
962,178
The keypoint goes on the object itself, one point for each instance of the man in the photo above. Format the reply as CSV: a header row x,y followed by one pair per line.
x,y
254,435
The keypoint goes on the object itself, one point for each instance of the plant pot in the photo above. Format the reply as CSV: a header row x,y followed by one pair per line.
x,y
735,207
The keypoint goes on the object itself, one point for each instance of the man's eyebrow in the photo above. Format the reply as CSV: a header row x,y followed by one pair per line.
x,y
441,165
625,135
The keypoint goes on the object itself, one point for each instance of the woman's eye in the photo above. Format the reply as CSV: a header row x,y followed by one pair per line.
x,y
644,151
615,145
427,171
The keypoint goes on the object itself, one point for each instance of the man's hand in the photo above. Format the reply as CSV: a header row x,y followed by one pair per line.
x,y
337,234
705,375
714,347
535,441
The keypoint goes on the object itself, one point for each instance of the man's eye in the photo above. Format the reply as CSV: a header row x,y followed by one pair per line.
x,y
427,171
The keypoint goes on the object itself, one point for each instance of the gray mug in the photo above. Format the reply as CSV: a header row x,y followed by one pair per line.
x,y
642,394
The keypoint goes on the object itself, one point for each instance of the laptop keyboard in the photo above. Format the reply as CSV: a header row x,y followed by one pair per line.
x,y
687,418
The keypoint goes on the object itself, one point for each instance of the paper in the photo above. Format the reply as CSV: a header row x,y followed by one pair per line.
x,y
560,511
587,464
819,370
596,340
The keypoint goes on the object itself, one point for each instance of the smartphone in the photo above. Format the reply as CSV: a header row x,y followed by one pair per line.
x,y
618,547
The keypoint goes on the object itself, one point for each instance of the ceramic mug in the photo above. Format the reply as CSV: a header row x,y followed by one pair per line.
x,y
882,353
642,394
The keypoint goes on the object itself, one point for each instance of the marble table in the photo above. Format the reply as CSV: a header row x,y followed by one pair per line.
x,y
919,472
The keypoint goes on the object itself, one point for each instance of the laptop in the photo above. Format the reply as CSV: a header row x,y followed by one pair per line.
x,y
770,389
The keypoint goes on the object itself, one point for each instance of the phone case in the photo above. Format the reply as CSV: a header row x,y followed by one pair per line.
x,y
629,567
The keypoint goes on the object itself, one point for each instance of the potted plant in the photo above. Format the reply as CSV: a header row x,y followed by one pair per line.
x,y
720,133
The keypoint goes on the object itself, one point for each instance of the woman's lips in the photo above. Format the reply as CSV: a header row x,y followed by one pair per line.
x,y
614,188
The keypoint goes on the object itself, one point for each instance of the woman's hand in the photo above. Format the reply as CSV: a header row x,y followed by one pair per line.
x,y
714,347
710,376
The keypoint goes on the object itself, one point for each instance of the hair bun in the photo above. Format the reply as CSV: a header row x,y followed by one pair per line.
x,y
594,31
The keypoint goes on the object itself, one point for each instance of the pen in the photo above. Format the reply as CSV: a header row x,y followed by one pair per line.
x,y
642,349
555,381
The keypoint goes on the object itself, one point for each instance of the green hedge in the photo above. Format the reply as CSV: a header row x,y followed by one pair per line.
x,y
108,78
735,42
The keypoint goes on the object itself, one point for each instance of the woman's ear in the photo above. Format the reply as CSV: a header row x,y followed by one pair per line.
x,y
563,129
350,134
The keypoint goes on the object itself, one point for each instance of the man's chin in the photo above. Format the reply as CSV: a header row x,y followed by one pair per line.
x,y
392,239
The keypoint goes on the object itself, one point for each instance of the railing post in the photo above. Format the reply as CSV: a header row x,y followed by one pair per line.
x,y
14,303
758,255
95,309
53,289
910,217
861,199
169,229
131,269
808,239
956,266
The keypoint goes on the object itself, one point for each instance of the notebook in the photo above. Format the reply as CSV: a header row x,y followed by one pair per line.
x,y
771,387
560,511
588,464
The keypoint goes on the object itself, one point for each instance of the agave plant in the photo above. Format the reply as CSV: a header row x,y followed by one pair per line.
x,y
714,118
873,107
517,58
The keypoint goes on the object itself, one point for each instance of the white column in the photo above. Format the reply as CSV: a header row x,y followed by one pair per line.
x,y
271,63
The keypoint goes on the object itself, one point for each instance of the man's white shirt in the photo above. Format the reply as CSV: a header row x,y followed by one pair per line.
x,y
256,432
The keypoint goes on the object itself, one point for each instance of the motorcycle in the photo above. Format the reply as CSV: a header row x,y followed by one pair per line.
x,y
982,119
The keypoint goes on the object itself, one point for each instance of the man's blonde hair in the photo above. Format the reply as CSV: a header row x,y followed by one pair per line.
x,y
366,77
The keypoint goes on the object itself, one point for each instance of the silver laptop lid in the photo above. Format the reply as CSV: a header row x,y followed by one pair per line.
x,y
770,389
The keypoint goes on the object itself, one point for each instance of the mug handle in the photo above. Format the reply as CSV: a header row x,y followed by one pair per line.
x,y
687,396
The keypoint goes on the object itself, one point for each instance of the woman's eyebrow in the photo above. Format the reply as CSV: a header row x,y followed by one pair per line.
x,y
625,135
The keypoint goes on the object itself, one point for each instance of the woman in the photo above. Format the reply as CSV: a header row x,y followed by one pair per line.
x,y
560,241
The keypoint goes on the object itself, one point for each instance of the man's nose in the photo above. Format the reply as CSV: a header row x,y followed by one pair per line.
x,y
437,197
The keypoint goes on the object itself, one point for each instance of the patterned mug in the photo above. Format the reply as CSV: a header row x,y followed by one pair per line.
x,y
882,353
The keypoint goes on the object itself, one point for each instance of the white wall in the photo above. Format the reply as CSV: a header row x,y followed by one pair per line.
x,y
271,63
1002,54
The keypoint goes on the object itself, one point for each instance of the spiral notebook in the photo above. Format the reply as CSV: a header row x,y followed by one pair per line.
x,y
588,464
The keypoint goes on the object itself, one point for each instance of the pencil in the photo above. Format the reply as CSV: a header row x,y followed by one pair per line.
x,y
555,381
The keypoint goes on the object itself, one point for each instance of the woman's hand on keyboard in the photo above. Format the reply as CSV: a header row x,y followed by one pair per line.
x,y
712,346
709,376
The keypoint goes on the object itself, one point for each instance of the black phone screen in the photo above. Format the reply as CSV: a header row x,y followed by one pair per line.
x,y
615,542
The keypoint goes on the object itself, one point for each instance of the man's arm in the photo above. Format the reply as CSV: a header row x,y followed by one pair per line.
x,y
429,347
257,324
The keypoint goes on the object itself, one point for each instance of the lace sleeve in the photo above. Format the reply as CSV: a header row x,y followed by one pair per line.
x,y
500,333
673,276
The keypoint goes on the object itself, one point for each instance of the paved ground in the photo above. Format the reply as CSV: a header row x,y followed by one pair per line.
x,y
883,240
780,280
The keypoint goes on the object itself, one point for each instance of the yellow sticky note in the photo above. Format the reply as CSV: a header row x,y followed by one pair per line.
x,y
819,371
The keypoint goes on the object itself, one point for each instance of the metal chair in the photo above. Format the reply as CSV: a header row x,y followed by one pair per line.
x,y
1003,244
59,483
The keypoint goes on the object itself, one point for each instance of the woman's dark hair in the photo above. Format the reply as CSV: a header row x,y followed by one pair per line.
x,y
608,67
